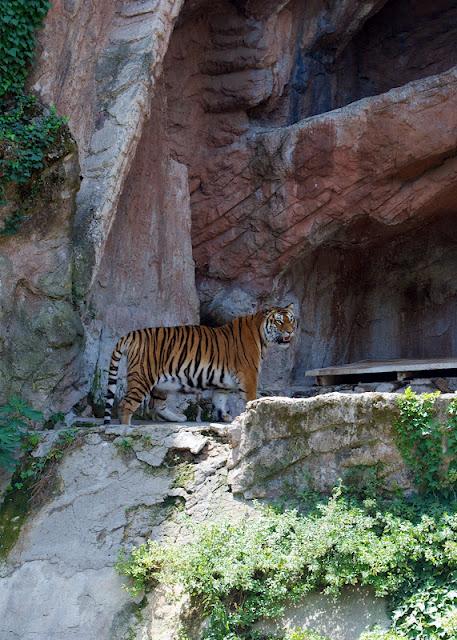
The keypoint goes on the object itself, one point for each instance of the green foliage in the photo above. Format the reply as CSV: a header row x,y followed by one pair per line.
x,y
32,481
431,612
428,447
124,444
239,572
15,418
451,444
362,481
27,132
19,20
55,419
184,475
304,634
33,469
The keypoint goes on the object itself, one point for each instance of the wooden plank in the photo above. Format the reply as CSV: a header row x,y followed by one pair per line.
x,y
385,366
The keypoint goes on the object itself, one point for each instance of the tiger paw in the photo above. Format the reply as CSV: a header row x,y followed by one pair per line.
x,y
170,416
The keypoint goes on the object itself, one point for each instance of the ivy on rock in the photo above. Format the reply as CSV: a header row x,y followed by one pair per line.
x,y
19,20
428,446
28,131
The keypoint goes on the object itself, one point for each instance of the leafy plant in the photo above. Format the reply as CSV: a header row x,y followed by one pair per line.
x,y
419,437
15,418
19,20
34,472
32,482
451,444
304,634
55,419
431,612
428,447
27,132
124,444
239,572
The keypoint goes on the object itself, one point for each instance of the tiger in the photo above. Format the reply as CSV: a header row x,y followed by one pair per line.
x,y
197,357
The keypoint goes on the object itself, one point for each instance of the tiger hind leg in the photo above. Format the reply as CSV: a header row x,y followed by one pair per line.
x,y
127,408
137,390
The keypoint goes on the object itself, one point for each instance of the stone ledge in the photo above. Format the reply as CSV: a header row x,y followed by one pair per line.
x,y
283,445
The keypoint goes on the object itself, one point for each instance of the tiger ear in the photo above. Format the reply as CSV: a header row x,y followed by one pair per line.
x,y
290,306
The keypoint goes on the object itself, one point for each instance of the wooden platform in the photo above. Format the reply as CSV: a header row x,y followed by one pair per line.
x,y
403,368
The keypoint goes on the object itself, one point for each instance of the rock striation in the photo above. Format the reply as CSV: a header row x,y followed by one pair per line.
x,y
132,253
108,496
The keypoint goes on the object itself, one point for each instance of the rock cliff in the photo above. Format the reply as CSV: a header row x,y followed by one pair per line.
x,y
117,487
238,153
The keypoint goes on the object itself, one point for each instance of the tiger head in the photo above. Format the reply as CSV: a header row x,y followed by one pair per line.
x,y
279,324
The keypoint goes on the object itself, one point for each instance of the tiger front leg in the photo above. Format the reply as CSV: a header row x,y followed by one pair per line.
x,y
248,385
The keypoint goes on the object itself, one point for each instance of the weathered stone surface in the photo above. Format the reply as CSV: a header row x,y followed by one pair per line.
x,y
355,611
319,212
107,100
107,498
132,253
305,184
290,196
282,445
41,333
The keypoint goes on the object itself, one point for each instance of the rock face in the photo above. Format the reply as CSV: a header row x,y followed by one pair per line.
x,y
133,264
313,172
117,487
282,446
108,496
238,153
41,334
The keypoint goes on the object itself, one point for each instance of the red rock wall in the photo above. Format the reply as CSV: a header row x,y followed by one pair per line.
x,y
405,41
201,109
395,297
266,197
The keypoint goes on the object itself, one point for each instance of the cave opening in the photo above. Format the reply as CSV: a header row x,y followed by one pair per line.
x,y
404,41
392,297
339,59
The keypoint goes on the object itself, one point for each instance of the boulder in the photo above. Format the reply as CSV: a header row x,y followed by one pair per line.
x,y
284,446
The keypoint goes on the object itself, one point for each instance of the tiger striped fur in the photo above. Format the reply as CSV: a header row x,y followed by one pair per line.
x,y
196,357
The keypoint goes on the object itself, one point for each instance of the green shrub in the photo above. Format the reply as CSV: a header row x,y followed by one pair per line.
x,y
237,573
304,634
124,445
27,131
19,20
15,418
428,447
429,613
